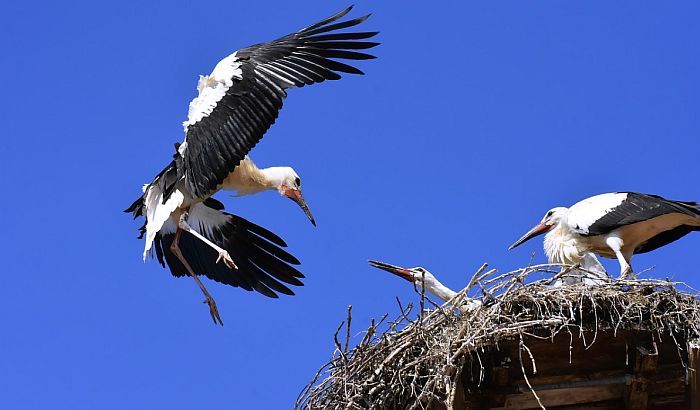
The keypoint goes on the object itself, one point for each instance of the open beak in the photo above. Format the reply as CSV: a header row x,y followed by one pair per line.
x,y
537,230
296,196
396,270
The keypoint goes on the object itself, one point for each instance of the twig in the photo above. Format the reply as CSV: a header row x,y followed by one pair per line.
x,y
522,367
347,335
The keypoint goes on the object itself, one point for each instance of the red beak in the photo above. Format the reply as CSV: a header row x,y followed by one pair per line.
x,y
539,229
296,196
396,270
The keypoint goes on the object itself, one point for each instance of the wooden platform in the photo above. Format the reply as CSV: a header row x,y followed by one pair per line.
x,y
630,370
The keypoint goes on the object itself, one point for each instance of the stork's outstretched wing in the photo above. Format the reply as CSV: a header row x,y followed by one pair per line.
x,y
262,263
242,97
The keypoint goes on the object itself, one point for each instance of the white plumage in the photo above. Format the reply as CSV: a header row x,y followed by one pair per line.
x,y
158,212
614,225
584,213
432,285
211,89
235,106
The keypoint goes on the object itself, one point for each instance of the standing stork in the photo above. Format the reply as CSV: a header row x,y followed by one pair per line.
x,y
614,225
430,282
235,106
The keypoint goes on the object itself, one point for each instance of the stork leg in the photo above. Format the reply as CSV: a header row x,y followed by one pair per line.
x,y
213,311
223,254
625,267
615,245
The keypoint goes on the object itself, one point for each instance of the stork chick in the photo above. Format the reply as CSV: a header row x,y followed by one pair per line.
x,y
430,283
614,225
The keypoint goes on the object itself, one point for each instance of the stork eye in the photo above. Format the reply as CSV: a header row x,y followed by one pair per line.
x,y
549,214
297,180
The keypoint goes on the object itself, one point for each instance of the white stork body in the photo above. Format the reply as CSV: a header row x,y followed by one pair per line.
x,y
235,106
614,225
245,179
430,282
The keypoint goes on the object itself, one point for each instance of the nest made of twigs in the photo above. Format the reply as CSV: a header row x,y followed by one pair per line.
x,y
418,360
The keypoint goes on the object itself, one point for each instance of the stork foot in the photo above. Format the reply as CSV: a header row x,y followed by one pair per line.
x,y
213,310
223,255
627,273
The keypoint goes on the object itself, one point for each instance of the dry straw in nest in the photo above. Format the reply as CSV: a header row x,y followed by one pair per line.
x,y
417,361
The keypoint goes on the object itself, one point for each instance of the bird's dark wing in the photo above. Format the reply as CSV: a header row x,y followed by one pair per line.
x,y
263,265
231,114
664,238
640,207
165,181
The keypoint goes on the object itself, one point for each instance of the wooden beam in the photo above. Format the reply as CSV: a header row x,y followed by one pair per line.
x,y
500,385
501,376
645,364
565,396
694,377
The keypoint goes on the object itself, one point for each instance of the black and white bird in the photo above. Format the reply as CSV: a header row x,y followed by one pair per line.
x,y
614,225
431,284
262,263
235,106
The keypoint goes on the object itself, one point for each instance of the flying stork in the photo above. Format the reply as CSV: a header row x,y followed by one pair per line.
x,y
235,106
614,225
430,282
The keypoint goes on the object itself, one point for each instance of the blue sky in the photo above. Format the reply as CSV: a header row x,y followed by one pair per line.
x,y
474,120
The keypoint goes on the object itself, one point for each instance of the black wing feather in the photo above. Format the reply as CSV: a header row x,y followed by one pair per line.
x,y
251,105
345,36
327,20
336,26
664,238
640,207
263,265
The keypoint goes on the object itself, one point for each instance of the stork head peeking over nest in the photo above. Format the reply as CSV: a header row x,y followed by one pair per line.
x,y
430,282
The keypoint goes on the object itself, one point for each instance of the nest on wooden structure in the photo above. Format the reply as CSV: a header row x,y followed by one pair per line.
x,y
417,361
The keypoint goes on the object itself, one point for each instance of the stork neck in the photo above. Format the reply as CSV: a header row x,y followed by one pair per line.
x,y
434,286
273,177
248,179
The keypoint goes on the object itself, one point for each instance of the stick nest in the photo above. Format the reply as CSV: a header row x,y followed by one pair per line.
x,y
416,361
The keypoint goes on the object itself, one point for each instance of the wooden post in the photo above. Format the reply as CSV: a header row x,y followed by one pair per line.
x,y
637,397
694,377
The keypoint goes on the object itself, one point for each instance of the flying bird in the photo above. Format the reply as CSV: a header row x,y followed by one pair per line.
x,y
431,284
614,225
235,106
